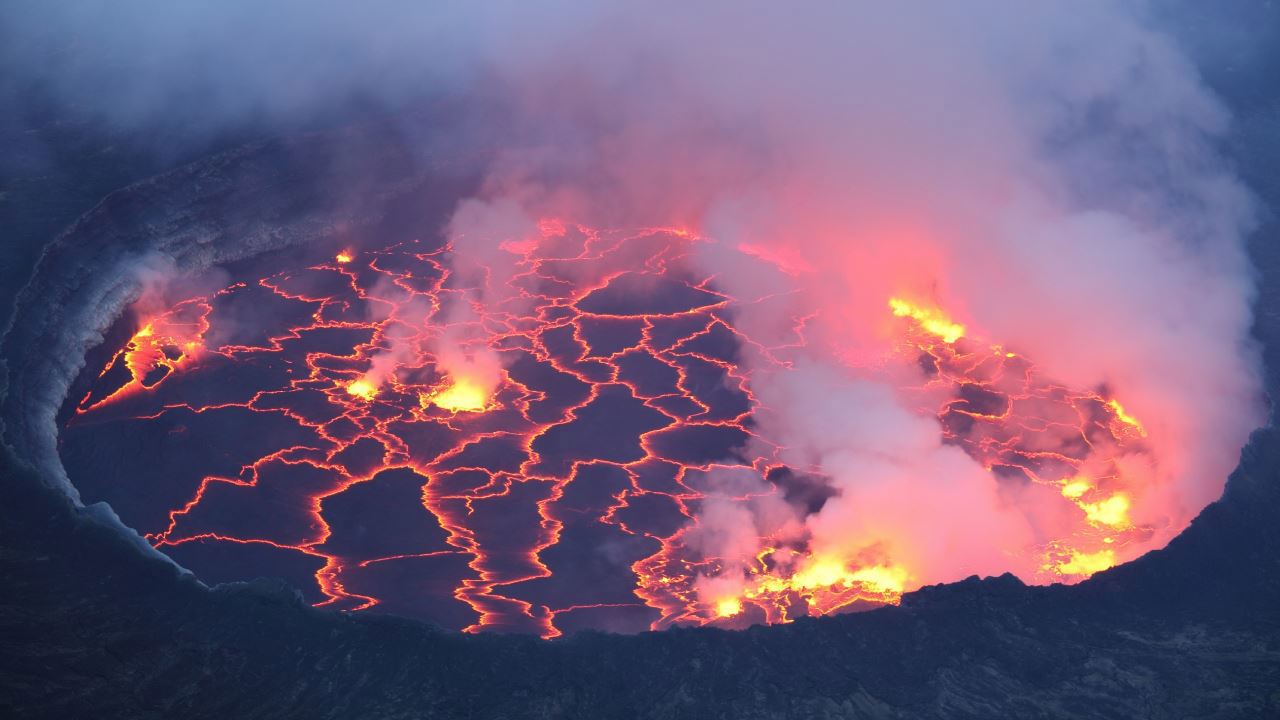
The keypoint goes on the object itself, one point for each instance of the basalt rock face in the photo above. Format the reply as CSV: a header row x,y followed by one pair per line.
x,y
92,627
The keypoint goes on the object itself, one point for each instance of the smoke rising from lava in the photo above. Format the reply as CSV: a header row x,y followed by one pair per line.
x,y
1044,175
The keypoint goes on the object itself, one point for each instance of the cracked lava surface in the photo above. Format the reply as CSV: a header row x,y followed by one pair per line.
x,y
527,448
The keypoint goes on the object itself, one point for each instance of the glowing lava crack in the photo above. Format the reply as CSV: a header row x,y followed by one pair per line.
x,y
384,431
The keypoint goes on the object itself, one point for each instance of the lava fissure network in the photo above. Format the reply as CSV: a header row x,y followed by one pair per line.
x,y
537,447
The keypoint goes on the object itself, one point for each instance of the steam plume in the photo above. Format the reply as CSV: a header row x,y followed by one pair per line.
x,y
1044,173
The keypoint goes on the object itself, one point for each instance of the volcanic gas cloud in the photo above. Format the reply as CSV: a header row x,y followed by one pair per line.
x,y
897,299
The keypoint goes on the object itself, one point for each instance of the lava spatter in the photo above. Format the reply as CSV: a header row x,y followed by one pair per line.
x,y
536,464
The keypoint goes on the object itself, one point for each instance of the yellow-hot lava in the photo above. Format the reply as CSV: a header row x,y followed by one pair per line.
x,y
1075,487
1084,564
825,584
931,320
461,394
1126,419
1112,512
728,607
344,257
882,578
1008,418
362,389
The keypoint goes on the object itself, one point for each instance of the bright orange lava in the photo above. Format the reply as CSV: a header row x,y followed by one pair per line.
x,y
595,320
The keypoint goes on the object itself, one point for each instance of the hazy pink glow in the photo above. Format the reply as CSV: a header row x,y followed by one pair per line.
x,y
1042,174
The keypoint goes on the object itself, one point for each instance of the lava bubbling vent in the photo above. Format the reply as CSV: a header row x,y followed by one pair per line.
x,y
579,436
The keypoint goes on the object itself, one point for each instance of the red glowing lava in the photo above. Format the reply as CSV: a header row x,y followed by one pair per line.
x,y
596,393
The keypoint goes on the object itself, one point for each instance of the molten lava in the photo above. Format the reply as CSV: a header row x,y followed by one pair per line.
x,y
827,584
362,389
621,391
931,320
728,607
459,395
